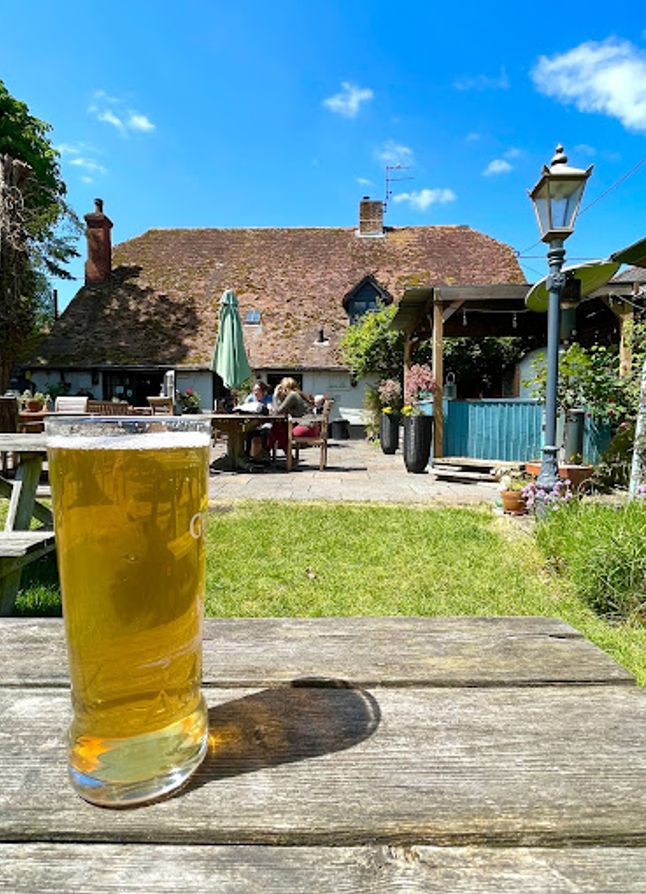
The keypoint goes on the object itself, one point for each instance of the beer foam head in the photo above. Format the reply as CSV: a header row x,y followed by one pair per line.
x,y
150,440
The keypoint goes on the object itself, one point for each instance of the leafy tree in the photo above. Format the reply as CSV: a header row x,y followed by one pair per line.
x,y
371,347
37,229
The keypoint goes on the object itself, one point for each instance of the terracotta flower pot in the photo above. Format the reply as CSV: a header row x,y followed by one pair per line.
x,y
34,405
576,473
513,502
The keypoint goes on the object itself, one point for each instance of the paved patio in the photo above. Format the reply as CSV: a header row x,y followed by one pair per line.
x,y
356,471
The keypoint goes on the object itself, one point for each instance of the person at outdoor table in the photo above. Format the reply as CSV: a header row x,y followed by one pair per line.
x,y
290,401
259,395
256,441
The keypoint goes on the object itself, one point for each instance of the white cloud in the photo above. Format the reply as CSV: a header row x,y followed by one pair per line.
x,y
348,102
70,148
88,164
607,77
110,118
424,198
512,152
497,166
112,110
473,137
363,181
483,82
392,153
77,155
584,149
140,122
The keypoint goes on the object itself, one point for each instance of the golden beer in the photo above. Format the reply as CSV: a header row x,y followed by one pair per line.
x,y
129,505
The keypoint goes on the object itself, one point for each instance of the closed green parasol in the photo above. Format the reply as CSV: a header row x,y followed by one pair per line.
x,y
229,357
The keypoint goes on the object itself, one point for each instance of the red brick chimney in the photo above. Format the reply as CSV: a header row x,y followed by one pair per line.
x,y
371,217
99,246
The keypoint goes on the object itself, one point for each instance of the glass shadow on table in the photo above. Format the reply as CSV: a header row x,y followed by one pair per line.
x,y
306,718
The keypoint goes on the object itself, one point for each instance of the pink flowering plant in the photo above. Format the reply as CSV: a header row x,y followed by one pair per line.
x,y
390,395
189,401
554,498
420,385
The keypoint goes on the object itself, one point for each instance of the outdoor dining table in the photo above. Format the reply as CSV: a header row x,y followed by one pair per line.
x,y
464,755
235,426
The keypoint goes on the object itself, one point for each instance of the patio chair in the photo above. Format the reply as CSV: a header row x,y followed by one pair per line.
x,y
70,405
161,406
108,407
296,443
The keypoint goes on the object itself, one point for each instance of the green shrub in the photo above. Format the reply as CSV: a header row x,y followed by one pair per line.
x,y
602,549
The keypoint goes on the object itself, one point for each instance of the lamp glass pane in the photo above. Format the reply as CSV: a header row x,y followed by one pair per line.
x,y
541,199
565,198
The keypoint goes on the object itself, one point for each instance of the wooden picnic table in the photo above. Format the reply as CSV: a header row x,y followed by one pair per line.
x,y
235,426
464,755
18,544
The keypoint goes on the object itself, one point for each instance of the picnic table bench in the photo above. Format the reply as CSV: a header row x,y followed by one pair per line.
x,y
18,544
464,755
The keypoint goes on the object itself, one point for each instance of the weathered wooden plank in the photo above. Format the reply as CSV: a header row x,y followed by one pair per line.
x,y
551,766
23,443
105,869
19,543
527,651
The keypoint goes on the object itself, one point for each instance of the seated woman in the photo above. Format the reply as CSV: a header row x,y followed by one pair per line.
x,y
289,401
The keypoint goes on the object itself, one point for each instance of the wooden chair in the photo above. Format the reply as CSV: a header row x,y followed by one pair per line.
x,y
70,404
108,407
161,406
295,443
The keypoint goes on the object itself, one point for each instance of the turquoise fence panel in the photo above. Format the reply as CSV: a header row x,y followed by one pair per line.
x,y
508,430
596,438
493,429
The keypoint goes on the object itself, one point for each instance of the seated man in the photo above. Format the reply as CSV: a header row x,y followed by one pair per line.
x,y
258,401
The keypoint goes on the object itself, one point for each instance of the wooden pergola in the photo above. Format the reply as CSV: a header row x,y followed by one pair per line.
x,y
453,311
433,312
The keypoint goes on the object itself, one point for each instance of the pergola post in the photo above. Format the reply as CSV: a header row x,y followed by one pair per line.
x,y
438,373
408,353
625,316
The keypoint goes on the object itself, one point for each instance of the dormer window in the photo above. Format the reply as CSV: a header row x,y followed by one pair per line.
x,y
252,317
366,296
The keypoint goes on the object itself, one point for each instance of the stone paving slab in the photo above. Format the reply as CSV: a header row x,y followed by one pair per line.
x,y
357,471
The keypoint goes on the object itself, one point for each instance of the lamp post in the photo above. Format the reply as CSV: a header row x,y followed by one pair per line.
x,y
556,198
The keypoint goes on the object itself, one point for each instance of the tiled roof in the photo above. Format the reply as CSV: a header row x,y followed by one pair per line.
x,y
161,305
630,275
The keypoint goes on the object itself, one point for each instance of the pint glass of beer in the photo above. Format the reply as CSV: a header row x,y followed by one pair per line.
x,y
130,498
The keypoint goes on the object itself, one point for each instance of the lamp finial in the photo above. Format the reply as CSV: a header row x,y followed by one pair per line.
x,y
560,158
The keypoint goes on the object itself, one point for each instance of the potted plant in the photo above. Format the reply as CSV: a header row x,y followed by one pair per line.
x,y
34,403
418,427
512,484
189,401
390,398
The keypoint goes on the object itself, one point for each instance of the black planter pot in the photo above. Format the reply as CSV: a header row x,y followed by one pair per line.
x,y
389,432
418,431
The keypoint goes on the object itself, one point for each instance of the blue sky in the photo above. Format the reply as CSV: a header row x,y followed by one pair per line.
x,y
285,113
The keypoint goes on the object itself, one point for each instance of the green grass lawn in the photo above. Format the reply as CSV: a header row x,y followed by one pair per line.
x,y
286,559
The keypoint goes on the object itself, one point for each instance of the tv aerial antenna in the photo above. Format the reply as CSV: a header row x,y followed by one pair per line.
x,y
390,180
